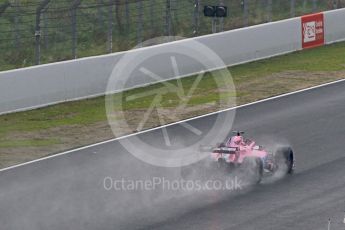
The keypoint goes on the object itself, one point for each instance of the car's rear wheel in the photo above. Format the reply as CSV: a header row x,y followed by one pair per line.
x,y
284,158
253,169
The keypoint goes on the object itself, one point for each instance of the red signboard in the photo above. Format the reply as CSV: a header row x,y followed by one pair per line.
x,y
312,30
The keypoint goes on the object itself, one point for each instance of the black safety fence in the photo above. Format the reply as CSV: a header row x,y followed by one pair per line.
x,y
43,31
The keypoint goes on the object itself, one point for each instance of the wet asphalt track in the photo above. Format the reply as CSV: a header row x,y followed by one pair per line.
x,y
66,192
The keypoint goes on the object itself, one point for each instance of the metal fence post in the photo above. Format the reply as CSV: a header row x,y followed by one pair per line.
x,y
168,18
269,10
153,17
221,20
140,23
245,12
292,8
39,9
16,24
196,17
110,26
74,8
213,25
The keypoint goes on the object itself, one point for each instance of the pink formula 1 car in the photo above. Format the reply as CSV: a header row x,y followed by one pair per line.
x,y
244,154
238,152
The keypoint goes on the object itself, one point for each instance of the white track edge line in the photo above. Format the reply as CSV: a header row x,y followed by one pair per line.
x,y
189,119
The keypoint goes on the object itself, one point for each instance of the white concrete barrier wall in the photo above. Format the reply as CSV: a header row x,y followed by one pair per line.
x,y
334,26
43,85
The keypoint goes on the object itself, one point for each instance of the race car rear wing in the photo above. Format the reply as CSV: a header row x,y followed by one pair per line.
x,y
223,149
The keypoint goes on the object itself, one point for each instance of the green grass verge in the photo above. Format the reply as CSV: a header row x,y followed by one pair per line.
x,y
28,143
327,58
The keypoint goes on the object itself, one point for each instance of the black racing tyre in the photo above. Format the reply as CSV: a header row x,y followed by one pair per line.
x,y
253,167
284,158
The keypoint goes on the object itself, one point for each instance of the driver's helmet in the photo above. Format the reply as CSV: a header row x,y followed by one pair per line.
x,y
236,141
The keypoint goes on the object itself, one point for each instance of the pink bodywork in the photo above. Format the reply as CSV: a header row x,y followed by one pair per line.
x,y
244,148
